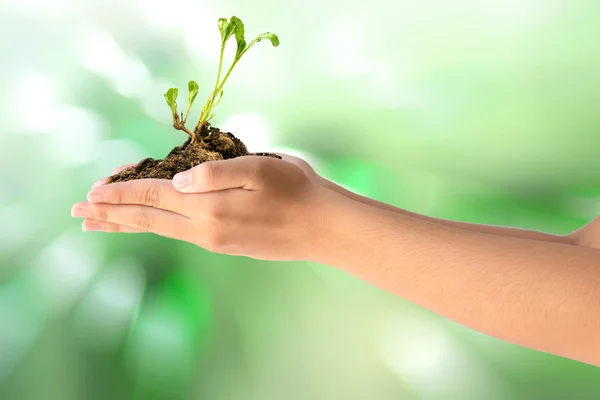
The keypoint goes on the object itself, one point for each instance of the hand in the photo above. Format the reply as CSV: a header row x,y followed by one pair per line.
x,y
253,206
300,163
303,165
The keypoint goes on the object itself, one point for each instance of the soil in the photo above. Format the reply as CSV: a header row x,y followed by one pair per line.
x,y
210,144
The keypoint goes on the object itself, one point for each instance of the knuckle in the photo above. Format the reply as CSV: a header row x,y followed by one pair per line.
x,y
115,196
143,220
100,213
208,174
151,196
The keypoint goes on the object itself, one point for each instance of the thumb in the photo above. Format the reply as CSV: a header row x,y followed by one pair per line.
x,y
210,176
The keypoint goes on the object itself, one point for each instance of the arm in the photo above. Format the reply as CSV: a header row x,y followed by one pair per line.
x,y
496,230
583,237
541,295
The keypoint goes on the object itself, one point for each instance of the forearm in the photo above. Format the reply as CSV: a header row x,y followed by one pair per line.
x,y
540,295
495,230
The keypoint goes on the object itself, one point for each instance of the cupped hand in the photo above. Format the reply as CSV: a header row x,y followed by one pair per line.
x,y
300,163
253,206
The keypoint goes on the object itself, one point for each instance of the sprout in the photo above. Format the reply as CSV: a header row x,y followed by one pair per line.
x,y
233,27
171,98
193,92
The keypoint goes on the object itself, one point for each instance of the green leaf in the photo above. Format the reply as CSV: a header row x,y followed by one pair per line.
x,y
227,29
193,90
222,23
239,27
239,36
171,98
271,36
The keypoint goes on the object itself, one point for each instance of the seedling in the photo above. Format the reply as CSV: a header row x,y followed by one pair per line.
x,y
205,143
233,27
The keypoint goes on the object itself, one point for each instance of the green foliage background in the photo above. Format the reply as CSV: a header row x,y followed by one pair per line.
x,y
474,110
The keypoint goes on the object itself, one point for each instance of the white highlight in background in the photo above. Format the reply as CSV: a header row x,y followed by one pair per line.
x,y
416,348
36,97
513,17
197,23
155,107
115,153
171,14
55,9
74,131
251,129
343,46
126,74
110,307
421,352
348,48
203,39
50,288
64,269
101,54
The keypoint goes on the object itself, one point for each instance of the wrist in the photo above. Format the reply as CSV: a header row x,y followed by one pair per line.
x,y
321,215
334,221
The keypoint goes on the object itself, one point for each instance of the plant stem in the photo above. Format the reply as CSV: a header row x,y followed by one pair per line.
x,y
205,115
186,130
227,76
233,65
213,95
187,113
182,127
218,89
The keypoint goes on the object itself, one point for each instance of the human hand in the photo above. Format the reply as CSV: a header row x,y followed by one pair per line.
x,y
300,163
253,206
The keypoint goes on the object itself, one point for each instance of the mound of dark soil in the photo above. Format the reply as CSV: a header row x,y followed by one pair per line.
x,y
210,144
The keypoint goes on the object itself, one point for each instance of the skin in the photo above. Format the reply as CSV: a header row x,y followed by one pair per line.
x,y
537,290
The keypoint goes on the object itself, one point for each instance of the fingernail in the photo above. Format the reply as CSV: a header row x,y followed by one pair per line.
x,y
90,226
80,211
182,180
94,197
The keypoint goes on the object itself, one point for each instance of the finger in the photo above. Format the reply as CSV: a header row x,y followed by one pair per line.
x,y
240,172
99,182
91,225
157,193
144,218
115,171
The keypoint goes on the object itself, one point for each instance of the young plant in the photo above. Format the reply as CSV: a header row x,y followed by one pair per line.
x,y
233,27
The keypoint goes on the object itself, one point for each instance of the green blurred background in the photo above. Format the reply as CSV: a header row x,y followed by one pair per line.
x,y
475,110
